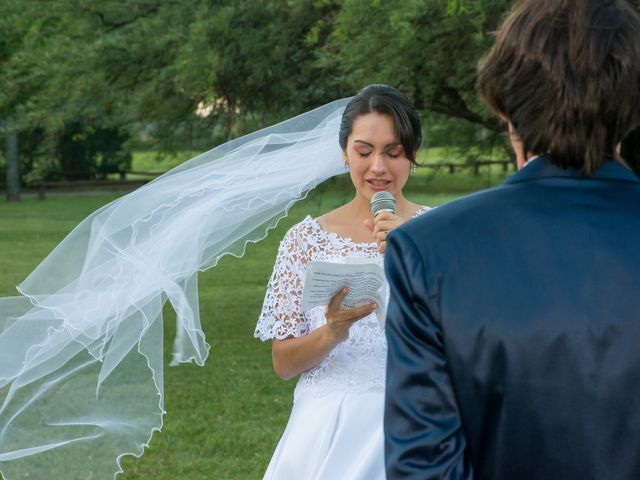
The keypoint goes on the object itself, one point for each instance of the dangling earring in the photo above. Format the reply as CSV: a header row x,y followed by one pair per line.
x,y
413,168
346,165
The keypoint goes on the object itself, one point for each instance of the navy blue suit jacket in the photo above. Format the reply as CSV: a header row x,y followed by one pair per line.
x,y
514,332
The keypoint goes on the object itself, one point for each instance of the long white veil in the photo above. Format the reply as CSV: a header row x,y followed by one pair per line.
x,y
81,350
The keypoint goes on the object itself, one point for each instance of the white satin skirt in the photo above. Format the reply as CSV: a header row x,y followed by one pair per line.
x,y
333,437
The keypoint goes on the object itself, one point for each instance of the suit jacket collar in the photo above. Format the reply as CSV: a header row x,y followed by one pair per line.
x,y
541,167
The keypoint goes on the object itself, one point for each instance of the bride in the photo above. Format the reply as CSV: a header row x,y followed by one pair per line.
x,y
81,348
335,427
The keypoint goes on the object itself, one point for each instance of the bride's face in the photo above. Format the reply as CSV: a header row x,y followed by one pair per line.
x,y
376,159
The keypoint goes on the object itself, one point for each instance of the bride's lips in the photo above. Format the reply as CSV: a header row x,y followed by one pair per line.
x,y
379,185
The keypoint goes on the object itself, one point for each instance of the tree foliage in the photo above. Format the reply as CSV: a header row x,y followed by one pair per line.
x,y
191,73
428,48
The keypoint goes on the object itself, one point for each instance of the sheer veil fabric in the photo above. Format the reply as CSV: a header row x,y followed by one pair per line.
x,y
81,371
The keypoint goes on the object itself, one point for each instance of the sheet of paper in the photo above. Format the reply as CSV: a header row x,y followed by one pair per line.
x,y
365,279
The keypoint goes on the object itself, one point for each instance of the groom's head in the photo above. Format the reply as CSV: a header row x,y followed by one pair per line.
x,y
566,73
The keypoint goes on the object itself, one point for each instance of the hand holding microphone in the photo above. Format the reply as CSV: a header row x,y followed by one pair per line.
x,y
383,208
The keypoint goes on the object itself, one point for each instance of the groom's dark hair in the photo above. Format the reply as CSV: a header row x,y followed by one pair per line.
x,y
566,73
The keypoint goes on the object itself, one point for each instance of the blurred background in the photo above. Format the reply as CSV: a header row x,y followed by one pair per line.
x,y
98,97
97,90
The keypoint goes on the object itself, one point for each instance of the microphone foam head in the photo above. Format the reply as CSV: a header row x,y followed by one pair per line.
x,y
382,202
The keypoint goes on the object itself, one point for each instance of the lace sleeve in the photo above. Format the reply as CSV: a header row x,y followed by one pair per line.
x,y
422,210
282,314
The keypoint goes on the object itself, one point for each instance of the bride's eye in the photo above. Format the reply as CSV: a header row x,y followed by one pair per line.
x,y
364,154
395,153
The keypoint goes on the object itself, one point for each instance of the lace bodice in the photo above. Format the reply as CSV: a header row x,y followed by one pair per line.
x,y
356,364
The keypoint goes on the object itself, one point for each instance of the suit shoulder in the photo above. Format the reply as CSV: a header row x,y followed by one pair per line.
x,y
473,206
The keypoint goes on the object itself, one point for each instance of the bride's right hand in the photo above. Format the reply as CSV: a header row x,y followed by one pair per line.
x,y
340,319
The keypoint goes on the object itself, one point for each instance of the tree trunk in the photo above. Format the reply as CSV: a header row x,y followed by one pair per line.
x,y
631,150
13,168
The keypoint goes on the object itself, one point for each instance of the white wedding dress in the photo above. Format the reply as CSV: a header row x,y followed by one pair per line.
x,y
335,427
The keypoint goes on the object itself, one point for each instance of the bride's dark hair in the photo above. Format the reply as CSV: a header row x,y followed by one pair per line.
x,y
389,101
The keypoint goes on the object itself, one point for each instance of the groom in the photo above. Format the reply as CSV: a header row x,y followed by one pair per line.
x,y
514,323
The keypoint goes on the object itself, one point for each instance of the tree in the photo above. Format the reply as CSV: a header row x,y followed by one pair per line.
x,y
12,168
427,48
86,153
151,63
193,73
12,173
631,150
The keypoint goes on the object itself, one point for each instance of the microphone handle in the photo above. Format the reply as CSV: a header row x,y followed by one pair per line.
x,y
378,212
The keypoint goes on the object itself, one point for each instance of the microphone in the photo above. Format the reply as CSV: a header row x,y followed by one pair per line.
x,y
382,202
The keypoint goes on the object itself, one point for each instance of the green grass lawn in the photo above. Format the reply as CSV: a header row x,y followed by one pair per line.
x,y
225,418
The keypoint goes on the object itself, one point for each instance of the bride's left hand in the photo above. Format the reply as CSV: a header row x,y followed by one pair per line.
x,y
381,226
